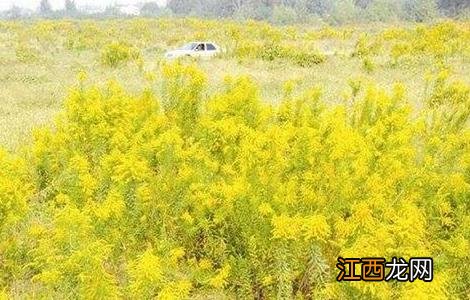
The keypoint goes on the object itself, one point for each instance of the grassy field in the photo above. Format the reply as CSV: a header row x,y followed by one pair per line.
x,y
246,176
35,83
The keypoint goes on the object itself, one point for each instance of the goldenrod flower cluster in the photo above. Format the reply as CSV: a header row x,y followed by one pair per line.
x,y
184,191
175,195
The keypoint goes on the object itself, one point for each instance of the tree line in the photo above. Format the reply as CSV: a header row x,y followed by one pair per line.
x,y
334,11
279,11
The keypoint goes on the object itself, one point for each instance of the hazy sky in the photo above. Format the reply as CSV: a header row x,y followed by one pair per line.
x,y
56,4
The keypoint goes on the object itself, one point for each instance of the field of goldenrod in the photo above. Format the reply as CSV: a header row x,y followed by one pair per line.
x,y
176,185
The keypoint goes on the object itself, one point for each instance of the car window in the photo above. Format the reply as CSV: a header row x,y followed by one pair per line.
x,y
200,47
210,47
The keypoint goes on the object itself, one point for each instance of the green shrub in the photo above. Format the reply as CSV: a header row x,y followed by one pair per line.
x,y
368,64
270,52
306,59
115,54
26,54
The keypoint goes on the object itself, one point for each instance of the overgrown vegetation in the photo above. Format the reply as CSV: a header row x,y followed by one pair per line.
x,y
279,12
197,188
115,54
146,198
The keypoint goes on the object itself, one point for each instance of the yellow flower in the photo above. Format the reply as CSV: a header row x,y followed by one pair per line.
x,y
220,279
82,76
205,264
265,209
176,254
175,290
267,280
37,230
186,216
316,228
285,227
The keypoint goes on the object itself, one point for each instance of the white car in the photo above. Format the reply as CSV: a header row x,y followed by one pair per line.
x,y
195,49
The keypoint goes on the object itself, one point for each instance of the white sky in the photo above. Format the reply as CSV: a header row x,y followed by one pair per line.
x,y
57,4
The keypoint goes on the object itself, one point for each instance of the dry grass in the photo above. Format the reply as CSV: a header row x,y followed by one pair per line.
x,y
32,92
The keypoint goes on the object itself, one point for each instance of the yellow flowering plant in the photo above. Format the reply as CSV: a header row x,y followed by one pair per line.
x,y
185,191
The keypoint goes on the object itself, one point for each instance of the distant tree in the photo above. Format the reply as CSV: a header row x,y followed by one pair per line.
x,y
111,11
13,13
419,10
237,4
201,8
283,15
45,8
181,7
383,11
256,10
150,9
320,7
453,8
364,4
220,8
70,7
344,11
336,11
